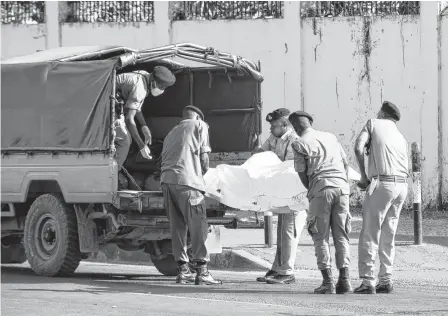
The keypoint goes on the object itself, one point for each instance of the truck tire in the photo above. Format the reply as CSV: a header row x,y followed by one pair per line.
x,y
165,264
13,253
51,237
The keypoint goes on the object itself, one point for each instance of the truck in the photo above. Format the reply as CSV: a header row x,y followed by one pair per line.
x,y
60,198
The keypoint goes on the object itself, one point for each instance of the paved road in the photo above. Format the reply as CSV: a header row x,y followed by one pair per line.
x,y
101,289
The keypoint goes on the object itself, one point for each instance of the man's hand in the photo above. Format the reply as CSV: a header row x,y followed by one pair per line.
x,y
363,183
147,134
257,151
146,153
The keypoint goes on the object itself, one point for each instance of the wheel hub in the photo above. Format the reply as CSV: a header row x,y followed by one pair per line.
x,y
46,236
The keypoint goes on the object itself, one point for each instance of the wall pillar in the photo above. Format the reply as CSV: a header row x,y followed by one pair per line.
x,y
429,104
292,61
162,23
52,26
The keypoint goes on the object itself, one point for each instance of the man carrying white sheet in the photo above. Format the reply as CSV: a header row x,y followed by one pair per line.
x,y
289,227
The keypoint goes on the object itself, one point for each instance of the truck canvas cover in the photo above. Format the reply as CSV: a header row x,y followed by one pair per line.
x,y
56,105
59,99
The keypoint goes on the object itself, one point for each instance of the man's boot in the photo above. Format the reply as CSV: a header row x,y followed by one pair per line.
x,y
343,286
327,286
184,274
384,288
269,275
203,276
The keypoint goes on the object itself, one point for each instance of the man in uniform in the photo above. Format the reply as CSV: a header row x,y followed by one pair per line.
x,y
184,162
289,226
133,88
321,163
386,183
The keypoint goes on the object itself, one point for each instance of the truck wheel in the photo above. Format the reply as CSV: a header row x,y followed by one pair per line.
x,y
167,266
51,237
165,263
12,250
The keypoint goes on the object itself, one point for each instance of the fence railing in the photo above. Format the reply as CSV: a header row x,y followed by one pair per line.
x,y
226,10
107,11
358,8
23,12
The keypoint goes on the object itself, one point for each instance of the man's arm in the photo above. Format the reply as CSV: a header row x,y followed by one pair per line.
x,y
132,107
144,128
204,149
141,120
300,164
360,144
344,158
132,127
262,148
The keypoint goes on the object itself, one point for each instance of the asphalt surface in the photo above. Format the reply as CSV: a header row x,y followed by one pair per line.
x,y
102,289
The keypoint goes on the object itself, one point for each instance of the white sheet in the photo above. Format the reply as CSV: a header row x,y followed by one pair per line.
x,y
263,183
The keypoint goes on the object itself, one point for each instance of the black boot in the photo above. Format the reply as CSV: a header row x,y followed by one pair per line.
x,y
384,288
327,286
269,275
343,286
203,276
184,274
365,289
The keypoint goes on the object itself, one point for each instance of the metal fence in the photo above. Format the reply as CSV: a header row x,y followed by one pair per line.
x,y
107,11
358,8
23,12
226,10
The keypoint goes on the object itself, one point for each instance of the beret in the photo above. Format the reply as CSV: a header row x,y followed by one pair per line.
x,y
301,113
195,109
277,114
391,109
163,76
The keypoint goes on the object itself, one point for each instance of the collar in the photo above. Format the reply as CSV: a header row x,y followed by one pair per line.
x,y
309,129
285,136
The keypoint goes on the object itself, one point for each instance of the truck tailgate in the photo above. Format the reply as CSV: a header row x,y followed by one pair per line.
x,y
130,200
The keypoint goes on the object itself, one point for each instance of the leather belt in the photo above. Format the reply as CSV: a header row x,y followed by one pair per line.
x,y
397,179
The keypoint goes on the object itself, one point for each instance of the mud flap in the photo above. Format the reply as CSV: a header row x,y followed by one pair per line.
x,y
213,242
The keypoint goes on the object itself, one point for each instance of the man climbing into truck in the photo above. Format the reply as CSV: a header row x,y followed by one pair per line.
x,y
133,88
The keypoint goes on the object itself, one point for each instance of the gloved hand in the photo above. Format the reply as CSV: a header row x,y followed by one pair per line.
x,y
145,152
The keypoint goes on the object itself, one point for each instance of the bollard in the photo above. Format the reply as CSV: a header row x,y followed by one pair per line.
x,y
268,228
417,193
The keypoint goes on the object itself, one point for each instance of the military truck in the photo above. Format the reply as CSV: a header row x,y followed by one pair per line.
x,y
59,176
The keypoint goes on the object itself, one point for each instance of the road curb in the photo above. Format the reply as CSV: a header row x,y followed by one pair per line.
x,y
229,259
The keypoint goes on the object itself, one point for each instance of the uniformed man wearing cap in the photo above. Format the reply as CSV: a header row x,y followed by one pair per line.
x,y
133,88
322,165
386,182
184,162
289,226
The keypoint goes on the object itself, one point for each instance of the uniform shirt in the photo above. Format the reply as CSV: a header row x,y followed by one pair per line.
x,y
388,151
321,154
134,87
281,146
180,155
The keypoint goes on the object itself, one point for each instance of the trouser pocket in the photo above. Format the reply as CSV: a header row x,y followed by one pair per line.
x,y
348,224
312,225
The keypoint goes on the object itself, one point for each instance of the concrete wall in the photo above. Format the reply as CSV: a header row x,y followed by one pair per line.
x,y
351,65
339,69
22,39
135,35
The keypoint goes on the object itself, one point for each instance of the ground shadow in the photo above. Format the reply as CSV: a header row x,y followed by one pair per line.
x,y
99,283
